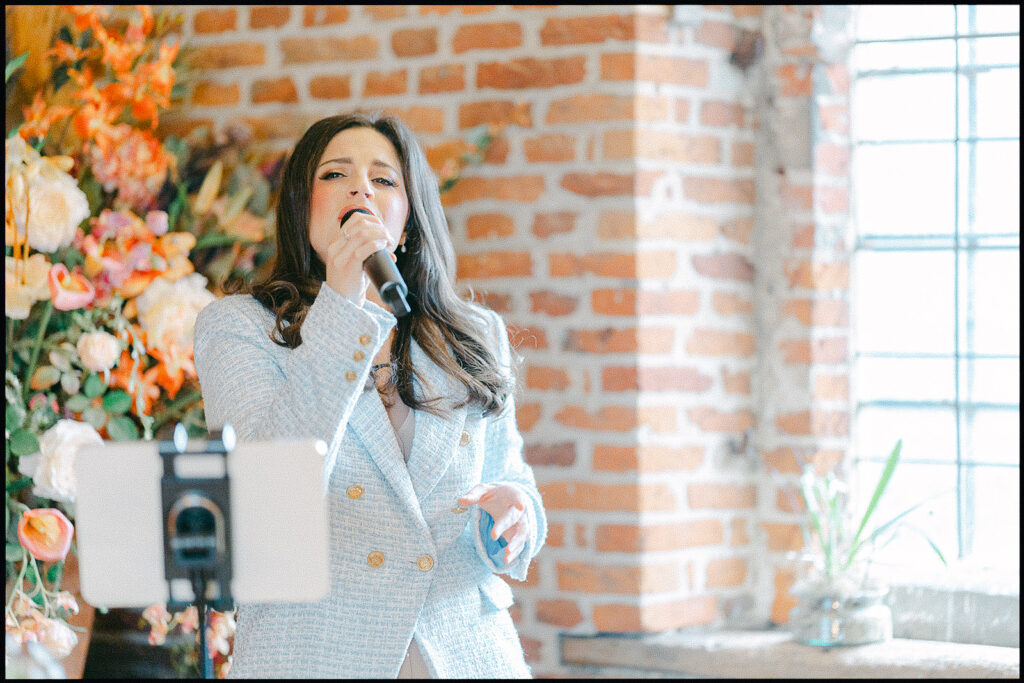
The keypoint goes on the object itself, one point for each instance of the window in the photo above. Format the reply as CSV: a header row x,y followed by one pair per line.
x,y
935,128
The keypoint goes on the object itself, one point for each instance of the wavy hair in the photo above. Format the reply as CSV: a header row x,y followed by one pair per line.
x,y
447,328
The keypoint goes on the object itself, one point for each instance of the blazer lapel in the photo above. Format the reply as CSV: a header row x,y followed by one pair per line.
x,y
436,439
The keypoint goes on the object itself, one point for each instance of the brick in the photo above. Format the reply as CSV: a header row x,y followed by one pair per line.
x,y
581,30
654,618
215,20
795,80
384,12
496,301
619,418
330,87
742,154
528,72
736,382
180,128
832,200
738,230
716,34
420,119
729,266
229,55
553,147
555,455
825,351
327,49
212,94
719,190
654,379
544,378
646,458
832,159
380,83
533,649
783,601
682,110
629,66
814,423
464,9
630,340
495,264
718,113
494,111
661,146
725,573
835,118
267,16
782,536
600,184
738,532
740,11
556,535
651,28
574,495
648,578
324,15
442,78
831,387
531,337
556,223
527,415
721,496
819,276
525,188
711,420
552,303
414,42
585,108
619,224
673,302
277,126
726,303
562,613
796,197
708,342
692,533
490,36
486,225
275,90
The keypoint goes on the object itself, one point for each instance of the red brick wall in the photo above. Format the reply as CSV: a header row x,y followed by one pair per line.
x,y
620,228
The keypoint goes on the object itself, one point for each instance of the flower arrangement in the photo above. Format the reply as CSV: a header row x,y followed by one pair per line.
x,y
114,241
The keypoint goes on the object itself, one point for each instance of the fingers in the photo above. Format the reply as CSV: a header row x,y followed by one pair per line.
x,y
345,256
510,517
517,537
474,495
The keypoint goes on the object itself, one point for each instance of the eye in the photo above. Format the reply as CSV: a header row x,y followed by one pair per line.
x,y
387,181
331,175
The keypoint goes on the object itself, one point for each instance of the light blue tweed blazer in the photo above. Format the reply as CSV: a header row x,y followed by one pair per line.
x,y
434,576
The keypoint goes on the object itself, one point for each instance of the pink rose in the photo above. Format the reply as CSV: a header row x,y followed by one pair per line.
x,y
69,290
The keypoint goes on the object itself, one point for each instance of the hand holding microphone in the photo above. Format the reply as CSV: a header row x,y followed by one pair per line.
x,y
378,265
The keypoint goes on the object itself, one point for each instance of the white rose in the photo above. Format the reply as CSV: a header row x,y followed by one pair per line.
x,y
98,350
53,468
18,297
58,638
168,310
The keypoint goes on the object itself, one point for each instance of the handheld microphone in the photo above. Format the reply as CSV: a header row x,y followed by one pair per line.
x,y
383,273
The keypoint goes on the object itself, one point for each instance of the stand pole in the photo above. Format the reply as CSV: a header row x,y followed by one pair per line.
x,y
199,590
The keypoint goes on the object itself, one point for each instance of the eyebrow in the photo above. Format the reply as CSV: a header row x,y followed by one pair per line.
x,y
348,160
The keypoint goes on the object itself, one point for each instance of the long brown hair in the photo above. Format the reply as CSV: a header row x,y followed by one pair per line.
x,y
446,327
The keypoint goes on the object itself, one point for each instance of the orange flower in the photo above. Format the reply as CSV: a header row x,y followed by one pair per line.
x,y
39,117
130,377
174,366
69,290
46,533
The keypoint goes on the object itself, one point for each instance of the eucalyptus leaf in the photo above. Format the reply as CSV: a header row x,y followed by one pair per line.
x,y
121,428
14,65
53,574
93,386
94,416
45,377
117,402
59,360
14,414
14,552
77,403
70,382
24,442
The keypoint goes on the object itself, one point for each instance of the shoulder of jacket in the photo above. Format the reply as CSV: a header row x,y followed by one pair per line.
x,y
233,309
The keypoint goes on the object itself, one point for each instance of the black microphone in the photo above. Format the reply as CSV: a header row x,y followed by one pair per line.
x,y
384,274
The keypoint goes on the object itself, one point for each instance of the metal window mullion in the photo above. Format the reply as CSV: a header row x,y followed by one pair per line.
x,y
921,39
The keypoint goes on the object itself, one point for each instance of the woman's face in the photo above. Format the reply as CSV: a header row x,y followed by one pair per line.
x,y
359,167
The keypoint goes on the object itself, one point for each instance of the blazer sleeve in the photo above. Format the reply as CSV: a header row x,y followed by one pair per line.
x,y
311,393
504,464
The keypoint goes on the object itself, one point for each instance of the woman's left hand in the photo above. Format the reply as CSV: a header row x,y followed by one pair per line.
x,y
507,505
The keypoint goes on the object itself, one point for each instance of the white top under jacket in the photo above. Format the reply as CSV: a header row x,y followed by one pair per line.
x,y
430,574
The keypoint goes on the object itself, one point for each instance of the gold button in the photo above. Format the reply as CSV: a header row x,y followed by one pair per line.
x,y
375,559
459,509
364,339
464,441
354,491
358,355
350,376
425,563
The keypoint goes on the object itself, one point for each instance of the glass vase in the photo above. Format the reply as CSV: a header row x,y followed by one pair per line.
x,y
825,619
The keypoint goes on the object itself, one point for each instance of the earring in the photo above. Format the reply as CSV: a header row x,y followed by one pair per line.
x,y
402,248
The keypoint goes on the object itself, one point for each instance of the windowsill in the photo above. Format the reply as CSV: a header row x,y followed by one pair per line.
x,y
773,654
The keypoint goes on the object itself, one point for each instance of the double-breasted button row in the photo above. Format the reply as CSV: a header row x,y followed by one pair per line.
x,y
424,562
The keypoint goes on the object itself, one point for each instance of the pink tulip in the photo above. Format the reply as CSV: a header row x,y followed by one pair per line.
x,y
46,533
69,290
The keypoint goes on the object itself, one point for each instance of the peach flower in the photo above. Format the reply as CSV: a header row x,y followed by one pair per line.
x,y
69,290
19,296
46,533
98,351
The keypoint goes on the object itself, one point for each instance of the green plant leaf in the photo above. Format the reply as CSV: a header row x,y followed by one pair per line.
x,y
14,414
54,572
121,428
24,442
94,416
117,402
14,552
214,239
93,386
77,403
14,65
19,484
883,482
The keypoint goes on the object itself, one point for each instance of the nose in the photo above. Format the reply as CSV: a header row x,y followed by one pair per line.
x,y
361,186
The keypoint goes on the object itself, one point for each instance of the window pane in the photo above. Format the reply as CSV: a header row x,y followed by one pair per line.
x,y
912,483
988,18
904,301
911,107
915,55
990,281
996,529
996,95
990,380
974,52
927,433
904,189
992,436
906,379
990,201
876,22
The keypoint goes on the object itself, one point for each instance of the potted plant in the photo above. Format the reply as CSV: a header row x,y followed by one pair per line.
x,y
840,602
